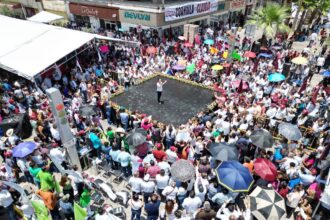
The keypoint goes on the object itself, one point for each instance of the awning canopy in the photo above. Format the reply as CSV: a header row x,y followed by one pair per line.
x,y
28,48
45,17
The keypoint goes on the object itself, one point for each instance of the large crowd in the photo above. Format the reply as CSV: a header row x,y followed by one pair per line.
x,y
247,101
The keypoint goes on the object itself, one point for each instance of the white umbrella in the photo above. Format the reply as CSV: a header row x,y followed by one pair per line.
x,y
183,135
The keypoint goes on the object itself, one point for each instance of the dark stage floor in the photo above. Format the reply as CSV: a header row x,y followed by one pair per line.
x,y
181,101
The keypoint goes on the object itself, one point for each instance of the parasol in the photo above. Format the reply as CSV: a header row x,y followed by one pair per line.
x,y
151,50
24,149
223,151
276,77
326,73
182,170
183,135
266,204
265,169
217,67
289,131
236,83
249,54
179,67
191,68
299,60
262,138
87,110
135,139
209,42
234,176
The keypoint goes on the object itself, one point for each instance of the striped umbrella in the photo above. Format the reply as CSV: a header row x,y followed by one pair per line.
x,y
266,204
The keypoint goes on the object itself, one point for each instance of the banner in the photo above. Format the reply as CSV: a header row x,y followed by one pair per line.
x,y
173,13
79,212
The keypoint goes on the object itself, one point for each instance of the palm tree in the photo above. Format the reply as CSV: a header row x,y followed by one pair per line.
x,y
271,19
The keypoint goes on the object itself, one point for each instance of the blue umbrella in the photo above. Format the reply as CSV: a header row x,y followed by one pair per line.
x,y
326,73
24,149
266,55
276,77
234,176
209,42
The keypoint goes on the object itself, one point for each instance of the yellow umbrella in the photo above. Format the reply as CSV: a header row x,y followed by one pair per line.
x,y
217,67
299,60
225,54
213,50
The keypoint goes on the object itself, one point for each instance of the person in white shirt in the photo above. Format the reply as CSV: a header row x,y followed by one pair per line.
x,y
293,199
58,154
161,181
164,165
160,84
135,183
147,188
191,203
55,133
170,191
171,154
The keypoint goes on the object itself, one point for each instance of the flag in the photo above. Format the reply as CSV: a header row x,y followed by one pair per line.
x,y
79,212
314,95
40,210
78,65
240,87
303,86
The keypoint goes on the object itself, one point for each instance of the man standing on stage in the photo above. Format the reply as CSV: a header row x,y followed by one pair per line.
x,y
160,90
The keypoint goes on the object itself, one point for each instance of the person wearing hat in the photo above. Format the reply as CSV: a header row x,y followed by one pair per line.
x,y
172,156
205,213
159,153
12,138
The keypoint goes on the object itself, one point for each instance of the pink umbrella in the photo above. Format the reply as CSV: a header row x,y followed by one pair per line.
x,y
187,44
235,84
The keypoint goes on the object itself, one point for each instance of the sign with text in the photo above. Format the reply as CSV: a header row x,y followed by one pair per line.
x,y
138,17
237,4
106,13
177,12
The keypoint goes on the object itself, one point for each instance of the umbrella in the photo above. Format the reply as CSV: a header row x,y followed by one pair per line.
x,y
182,38
289,131
215,60
24,149
187,44
226,65
182,170
217,67
276,77
223,151
262,138
87,110
265,169
236,56
235,84
234,176
209,42
299,60
179,67
183,135
141,131
249,54
191,68
326,73
266,55
135,139
151,50
266,204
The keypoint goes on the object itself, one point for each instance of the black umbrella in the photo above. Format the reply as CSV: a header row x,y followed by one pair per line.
x,y
262,138
140,130
135,139
87,110
182,170
223,151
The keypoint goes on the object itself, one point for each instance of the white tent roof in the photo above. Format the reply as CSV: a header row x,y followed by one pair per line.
x,y
27,48
45,17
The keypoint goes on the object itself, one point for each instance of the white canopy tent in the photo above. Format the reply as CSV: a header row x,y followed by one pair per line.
x,y
45,17
28,48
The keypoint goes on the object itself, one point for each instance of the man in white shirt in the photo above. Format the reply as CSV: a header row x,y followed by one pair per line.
x,y
170,191
191,203
135,183
160,84
171,154
164,165
55,133
161,181
147,187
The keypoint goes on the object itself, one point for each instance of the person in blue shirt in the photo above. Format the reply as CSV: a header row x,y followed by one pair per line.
x,y
152,208
295,180
96,142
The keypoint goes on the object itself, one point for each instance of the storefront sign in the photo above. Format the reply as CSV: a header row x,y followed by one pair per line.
x,y
138,17
173,13
106,13
237,4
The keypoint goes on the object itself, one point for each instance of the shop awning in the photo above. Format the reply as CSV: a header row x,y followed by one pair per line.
x,y
28,48
45,17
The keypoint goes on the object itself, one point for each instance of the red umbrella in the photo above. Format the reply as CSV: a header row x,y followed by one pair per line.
x,y
265,169
226,65
249,54
187,44
151,50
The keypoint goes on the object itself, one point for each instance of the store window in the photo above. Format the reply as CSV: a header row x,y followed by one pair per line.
x,y
82,21
109,25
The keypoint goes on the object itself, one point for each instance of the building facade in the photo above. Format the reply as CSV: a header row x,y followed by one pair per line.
x,y
145,14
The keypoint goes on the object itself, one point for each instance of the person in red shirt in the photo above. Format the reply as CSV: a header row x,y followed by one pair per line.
x,y
159,153
153,169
